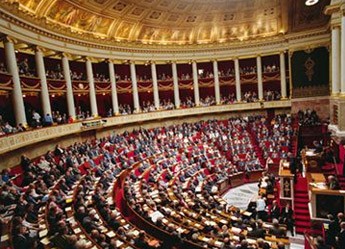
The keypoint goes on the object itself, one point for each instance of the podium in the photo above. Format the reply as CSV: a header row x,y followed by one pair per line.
x,y
286,193
312,161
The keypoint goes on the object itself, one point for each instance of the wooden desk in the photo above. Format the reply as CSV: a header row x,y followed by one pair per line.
x,y
312,161
322,199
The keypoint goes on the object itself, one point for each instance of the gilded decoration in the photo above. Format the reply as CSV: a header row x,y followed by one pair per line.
x,y
159,21
309,68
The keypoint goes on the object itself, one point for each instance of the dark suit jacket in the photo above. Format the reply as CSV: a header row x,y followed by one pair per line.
x,y
341,239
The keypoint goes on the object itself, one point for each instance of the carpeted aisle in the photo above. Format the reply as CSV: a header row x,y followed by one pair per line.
x,y
302,216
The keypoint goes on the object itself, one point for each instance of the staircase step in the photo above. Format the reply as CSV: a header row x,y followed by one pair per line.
x,y
301,195
301,206
299,200
302,218
303,224
302,211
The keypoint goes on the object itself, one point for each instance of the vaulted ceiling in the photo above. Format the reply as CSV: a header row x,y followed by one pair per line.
x,y
172,21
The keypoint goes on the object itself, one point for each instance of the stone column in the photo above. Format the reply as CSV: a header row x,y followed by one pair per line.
x,y
69,88
135,88
155,85
41,72
17,95
335,60
216,82
342,57
114,99
259,72
92,91
238,81
176,89
282,75
196,84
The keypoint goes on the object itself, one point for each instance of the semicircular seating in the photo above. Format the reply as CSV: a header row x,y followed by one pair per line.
x,y
102,193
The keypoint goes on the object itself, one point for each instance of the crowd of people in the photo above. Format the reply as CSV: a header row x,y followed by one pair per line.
x,y
187,173
118,153
6,128
3,68
24,68
274,138
308,117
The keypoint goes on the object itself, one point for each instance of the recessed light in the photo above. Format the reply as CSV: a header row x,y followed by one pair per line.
x,y
311,2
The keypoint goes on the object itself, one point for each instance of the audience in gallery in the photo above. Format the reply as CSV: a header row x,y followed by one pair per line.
x,y
63,165
24,68
248,70
250,96
125,109
308,117
208,101
77,76
3,68
230,99
167,104
7,128
187,103
101,78
56,73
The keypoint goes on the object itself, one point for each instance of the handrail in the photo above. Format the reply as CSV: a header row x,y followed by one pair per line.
x,y
308,242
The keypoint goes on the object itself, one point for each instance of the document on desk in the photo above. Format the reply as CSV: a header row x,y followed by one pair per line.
x,y
156,215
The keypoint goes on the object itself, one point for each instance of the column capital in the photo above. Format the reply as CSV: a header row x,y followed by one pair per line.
x,y
335,26
87,58
66,55
38,49
7,38
342,9
110,61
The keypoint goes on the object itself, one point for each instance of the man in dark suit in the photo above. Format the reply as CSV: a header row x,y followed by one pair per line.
x,y
21,238
275,210
333,230
341,236
287,218
141,242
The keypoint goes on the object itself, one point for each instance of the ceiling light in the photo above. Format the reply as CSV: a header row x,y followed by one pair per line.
x,y
311,2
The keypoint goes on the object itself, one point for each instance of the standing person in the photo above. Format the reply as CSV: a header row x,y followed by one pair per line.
x,y
287,218
261,209
333,230
341,236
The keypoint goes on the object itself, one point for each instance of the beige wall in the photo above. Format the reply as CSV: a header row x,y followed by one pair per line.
x,y
320,104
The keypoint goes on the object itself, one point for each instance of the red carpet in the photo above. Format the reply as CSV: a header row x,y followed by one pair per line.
x,y
302,216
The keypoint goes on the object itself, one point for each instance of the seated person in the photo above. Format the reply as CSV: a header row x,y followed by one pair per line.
x,y
276,230
333,183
